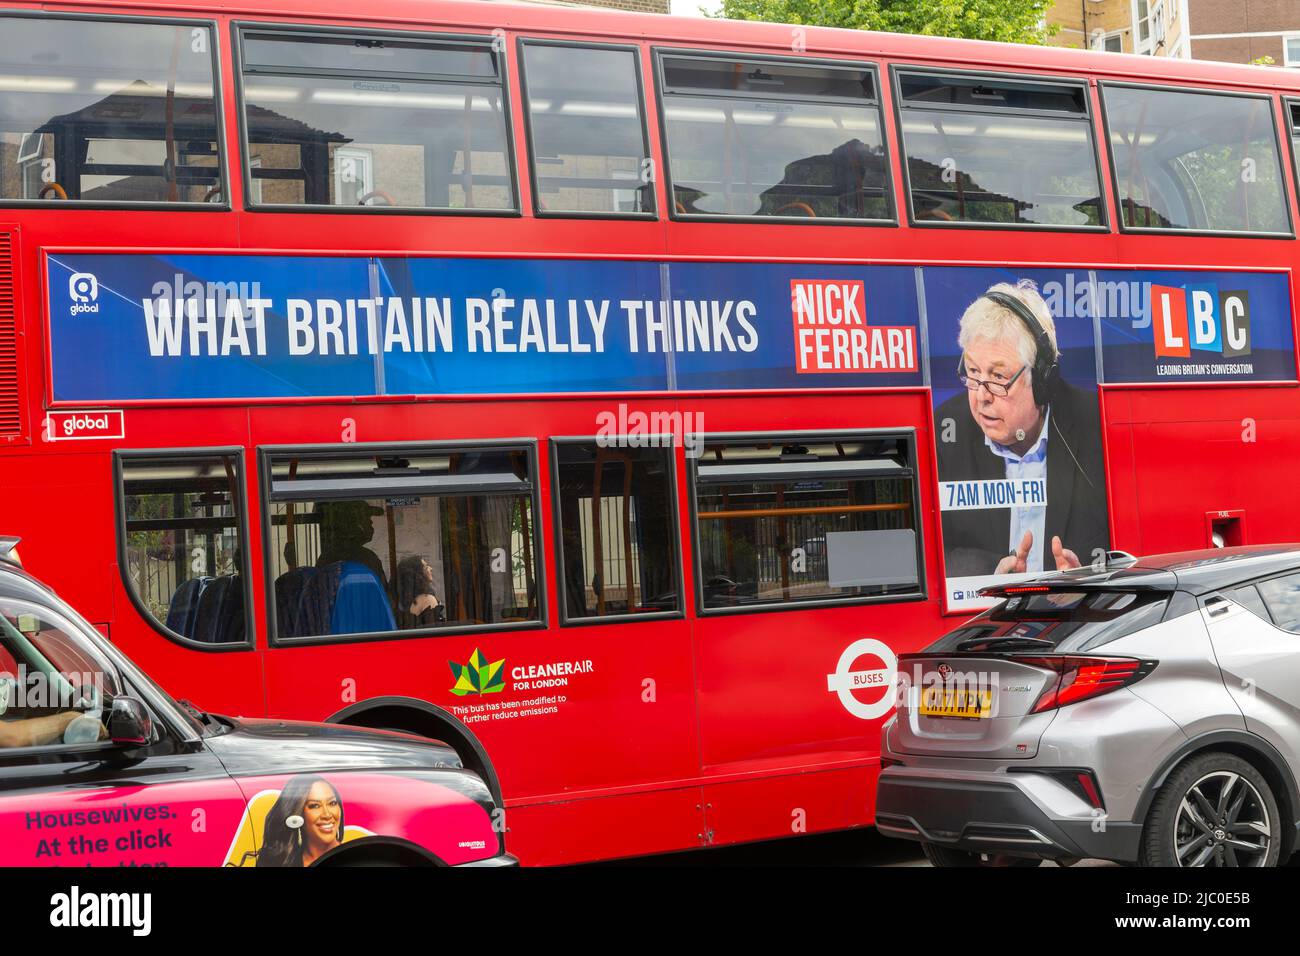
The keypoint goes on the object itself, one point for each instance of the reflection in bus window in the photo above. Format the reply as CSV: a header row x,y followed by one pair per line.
x,y
375,121
402,542
184,557
107,112
619,550
998,151
588,138
773,138
800,519
1189,160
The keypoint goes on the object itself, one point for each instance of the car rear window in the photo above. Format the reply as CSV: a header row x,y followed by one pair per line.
x,y
1063,621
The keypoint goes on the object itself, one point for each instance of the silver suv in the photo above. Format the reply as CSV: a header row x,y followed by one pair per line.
x,y
1146,713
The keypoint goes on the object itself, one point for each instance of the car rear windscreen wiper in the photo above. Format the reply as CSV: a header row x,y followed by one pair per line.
x,y
988,643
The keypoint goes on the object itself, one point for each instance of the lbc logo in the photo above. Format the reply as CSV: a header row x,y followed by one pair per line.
x,y
1199,317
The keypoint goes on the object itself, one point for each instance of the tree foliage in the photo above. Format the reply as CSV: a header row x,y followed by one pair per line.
x,y
1012,21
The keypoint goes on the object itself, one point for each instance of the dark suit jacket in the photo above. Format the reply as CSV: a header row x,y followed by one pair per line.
x,y
975,541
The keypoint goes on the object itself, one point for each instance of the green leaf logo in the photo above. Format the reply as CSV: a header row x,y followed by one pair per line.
x,y
478,676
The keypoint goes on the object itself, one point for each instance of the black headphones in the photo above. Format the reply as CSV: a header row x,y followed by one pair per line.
x,y
1046,369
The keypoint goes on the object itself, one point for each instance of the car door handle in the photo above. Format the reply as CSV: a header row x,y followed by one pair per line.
x,y
1217,606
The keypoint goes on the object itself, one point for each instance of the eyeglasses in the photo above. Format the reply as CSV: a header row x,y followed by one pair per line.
x,y
998,389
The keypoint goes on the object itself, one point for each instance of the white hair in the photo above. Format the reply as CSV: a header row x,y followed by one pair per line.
x,y
986,321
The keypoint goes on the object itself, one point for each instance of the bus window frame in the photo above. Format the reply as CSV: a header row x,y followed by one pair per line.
x,y
922,593
557,518
1292,132
660,52
266,454
121,455
535,192
1269,98
1087,119
308,31
218,106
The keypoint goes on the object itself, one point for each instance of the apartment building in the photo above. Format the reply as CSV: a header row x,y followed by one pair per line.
x,y
1151,27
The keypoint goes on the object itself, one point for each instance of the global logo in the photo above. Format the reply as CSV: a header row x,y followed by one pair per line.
x,y
867,667
478,676
83,290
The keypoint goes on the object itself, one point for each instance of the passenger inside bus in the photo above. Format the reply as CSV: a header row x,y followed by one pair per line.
x,y
417,604
345,530
402,542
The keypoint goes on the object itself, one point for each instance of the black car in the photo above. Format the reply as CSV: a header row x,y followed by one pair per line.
x,y
100,767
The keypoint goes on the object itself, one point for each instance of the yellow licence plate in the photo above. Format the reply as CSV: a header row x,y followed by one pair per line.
x,y
952,702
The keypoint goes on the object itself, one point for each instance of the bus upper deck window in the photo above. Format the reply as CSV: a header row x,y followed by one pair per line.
x,y
998,151
1293,114
380,122
797,519
587,131
107,112
401,541
1198,161
183,551
786,139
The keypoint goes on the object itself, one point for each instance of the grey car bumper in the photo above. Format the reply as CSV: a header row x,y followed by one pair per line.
x,y
993,816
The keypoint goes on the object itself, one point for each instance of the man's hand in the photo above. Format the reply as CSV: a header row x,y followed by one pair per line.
x,y
1014,563
1066,559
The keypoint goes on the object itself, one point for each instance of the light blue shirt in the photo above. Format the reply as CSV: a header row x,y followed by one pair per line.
x,y
1032,464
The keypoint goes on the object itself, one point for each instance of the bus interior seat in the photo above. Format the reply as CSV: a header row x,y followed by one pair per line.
x,y
220,615
360,603
230,617
184,606
290,591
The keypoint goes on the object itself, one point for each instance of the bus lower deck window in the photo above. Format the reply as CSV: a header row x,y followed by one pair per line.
x,y
378,122
774,138
402,541
986,150
616,510
107,112
796,519
183,553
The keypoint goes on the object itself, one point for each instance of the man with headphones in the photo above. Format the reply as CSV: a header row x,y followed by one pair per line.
x,y
1018,419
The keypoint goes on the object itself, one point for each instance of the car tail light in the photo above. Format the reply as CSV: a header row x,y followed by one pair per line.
x,y
1083,678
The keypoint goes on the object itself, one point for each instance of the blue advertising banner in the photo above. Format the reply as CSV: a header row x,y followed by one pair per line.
x,y
162,327
1184,326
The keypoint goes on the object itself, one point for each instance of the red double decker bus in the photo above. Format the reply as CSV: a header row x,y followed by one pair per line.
x,y
612,396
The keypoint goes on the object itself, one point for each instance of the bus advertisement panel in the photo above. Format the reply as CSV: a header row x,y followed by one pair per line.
x,y
1015,360
186,327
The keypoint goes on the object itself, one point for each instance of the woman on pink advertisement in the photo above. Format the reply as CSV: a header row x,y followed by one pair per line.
x,y
305,823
